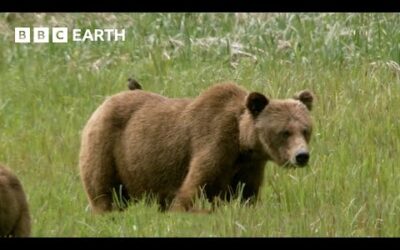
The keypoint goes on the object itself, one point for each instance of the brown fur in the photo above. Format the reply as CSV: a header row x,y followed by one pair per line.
x,y
14,212
172,148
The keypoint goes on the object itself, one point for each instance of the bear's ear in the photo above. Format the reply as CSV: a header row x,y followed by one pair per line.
x,y
306,97
256,102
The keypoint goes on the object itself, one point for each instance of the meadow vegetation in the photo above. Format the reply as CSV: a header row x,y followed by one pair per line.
x,y
350,61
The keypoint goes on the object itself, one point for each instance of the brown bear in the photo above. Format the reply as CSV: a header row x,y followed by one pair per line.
x,y
140,143
15,219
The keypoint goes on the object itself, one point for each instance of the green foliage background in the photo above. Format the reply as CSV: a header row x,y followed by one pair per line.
x,y
350,61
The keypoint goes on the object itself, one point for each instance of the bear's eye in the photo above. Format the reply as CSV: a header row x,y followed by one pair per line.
x,y
285,134
305,132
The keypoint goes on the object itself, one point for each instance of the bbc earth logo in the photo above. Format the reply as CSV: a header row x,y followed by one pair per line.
x,y
62,35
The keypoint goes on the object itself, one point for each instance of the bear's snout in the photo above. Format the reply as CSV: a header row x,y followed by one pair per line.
x,y
301,158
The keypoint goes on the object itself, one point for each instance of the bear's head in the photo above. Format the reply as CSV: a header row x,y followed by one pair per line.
x,y
281,128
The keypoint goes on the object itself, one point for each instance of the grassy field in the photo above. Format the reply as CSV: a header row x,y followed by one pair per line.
x,y
350,61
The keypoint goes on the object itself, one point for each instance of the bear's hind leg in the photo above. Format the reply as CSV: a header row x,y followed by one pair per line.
x,y
99,188
98,170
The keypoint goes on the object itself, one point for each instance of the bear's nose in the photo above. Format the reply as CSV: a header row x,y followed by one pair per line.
x,y
302,158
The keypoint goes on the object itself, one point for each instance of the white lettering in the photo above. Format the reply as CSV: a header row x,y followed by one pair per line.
x,y
98,35
76,35
109,33
121,34
87,36
60,35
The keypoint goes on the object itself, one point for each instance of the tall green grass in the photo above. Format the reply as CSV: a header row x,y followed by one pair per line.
x,y
350,61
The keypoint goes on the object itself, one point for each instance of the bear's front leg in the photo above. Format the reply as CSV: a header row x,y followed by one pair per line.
x,y
205,170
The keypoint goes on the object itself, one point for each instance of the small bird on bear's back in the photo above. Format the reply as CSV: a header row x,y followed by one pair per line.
x,y
133,84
